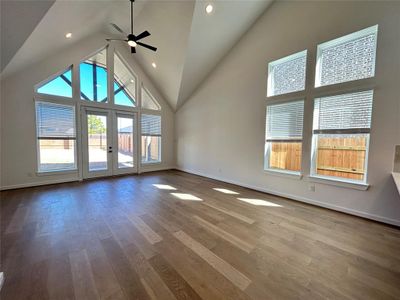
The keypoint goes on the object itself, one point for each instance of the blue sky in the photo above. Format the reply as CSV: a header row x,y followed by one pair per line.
x,y
59,87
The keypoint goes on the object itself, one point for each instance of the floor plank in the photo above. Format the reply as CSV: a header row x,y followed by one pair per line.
x,y
124,238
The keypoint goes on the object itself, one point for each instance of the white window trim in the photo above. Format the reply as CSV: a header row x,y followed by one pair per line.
x,y
271,65
76,157
331,179
143,88
51,78
147,163
283,172
342,40
160,161
115,52
338,182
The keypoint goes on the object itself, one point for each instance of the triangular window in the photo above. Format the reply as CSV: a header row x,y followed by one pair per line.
x,y
148,101
93,76
124,84
58,86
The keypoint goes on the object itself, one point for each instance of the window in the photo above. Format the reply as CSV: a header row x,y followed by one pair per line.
x,y
148,101
287,74
59,86
93,78
55,125
341,135
124,84
348,58
284,134
151,138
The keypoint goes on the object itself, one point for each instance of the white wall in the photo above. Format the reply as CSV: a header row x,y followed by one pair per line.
x,y
18,142
220,131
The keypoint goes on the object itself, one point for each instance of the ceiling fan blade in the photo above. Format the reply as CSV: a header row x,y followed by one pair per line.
x,y
142,35
133,50
147,46
116,27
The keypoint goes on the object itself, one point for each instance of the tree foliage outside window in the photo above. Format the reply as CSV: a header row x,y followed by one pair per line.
x,y
95,125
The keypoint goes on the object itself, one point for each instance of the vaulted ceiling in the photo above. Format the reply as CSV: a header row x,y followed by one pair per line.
x,y
190,42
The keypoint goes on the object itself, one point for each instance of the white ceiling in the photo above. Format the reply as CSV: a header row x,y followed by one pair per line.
x,y
190,43
18,18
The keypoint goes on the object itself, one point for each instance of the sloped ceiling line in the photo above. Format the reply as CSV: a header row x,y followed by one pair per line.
x,y
190,42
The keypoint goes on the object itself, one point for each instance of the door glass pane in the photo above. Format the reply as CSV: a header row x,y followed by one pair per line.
x,y
125,142
97,142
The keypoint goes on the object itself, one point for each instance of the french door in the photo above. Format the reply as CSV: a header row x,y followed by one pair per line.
x,y
109,140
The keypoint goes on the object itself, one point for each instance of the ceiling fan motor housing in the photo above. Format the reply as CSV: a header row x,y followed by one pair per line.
x,y
131,37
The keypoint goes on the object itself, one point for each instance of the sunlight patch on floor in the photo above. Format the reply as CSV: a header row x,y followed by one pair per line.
x,y
259,202
164,187
225,191
183,196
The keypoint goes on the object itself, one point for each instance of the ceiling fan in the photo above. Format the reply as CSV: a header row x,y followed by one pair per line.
x,y
131,39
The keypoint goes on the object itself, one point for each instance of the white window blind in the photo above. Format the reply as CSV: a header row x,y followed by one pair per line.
x,y
285,121
287,74
55,121
151,125
344,112
148,100
348,58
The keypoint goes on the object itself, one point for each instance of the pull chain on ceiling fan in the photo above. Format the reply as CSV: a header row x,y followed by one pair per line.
x,y
131,39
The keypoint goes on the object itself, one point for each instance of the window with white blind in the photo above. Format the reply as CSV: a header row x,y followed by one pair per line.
x,y
284,135
287,75
56,137
348,58
148,101
151,138
341,130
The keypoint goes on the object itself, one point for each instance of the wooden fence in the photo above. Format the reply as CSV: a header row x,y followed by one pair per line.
x,y
339,157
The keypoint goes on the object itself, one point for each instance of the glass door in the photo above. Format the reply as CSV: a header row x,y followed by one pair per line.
x,y
97,143
125,137
109,142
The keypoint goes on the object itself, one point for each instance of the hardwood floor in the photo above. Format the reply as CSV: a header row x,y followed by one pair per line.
x,y
172,235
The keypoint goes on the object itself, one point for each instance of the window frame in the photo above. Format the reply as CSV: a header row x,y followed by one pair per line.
x,y
37,86
270,75
143,89
267,148
314,176
144,163
75,169
108,69
136,98
342,40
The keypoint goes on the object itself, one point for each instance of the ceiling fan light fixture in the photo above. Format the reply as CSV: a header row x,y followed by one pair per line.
x,y
132,43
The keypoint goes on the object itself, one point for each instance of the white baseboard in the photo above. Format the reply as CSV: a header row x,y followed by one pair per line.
x,y
33,184
155,169
298,198
49,182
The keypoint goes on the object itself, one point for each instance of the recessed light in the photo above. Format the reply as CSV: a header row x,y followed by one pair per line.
x,y
68,35
154,65
209,8
132,81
